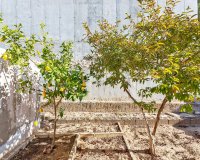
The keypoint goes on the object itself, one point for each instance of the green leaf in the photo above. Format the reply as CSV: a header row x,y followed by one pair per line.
x,y
61,112
186,108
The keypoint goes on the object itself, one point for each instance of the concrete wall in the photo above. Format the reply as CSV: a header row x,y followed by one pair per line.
x,y
64,20
17,111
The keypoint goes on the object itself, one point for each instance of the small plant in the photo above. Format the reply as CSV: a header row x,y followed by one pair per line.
x,y
59,78
162,47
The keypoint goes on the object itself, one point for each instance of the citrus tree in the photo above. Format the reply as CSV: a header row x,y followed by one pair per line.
x,y
161,47
58,77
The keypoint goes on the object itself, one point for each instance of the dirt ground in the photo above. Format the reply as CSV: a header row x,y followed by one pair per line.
x,y
102,148
172,143
36,149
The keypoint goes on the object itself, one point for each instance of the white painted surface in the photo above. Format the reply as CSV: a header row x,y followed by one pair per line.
x,y
109,10
24,15
17,111
2,50
37,15
66,16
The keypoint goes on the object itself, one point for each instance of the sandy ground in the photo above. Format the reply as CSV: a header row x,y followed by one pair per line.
x,y
39,149
172,143
102,148
104,116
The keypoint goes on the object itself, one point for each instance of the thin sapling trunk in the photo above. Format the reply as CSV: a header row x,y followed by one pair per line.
x,y
151,140
158,115
55,121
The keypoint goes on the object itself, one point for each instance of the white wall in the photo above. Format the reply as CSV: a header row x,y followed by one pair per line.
x,y
17,111
64,20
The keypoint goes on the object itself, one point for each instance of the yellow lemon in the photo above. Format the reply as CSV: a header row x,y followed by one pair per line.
x,y
175,88
41,110
44,93
83,84
5,57
35,123
47,68
62,89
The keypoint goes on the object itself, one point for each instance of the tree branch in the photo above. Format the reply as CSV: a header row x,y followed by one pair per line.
x,y
158,115
59,102
151,140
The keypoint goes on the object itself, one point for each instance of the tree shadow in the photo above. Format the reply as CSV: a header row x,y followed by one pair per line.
x,y
17,111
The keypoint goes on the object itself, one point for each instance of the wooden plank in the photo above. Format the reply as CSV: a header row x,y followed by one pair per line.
x,y
131,122
124,122
72,154
101,135
81,134
173,115
133,157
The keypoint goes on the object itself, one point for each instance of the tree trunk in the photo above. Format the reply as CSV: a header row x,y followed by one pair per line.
x,y
54,127
55,120
151,139
158,115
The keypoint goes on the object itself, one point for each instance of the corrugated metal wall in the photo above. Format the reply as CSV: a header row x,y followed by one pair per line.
x,y
64,20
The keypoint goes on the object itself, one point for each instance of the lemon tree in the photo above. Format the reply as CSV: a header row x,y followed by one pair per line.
x,y
161,47
59,78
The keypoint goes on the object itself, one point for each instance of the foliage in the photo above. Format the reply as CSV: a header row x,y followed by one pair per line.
x,y
59,77
34,57
160,47
186,108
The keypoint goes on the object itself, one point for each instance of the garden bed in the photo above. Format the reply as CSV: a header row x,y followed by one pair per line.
x,y
102,149
171,143
111,141
39,149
